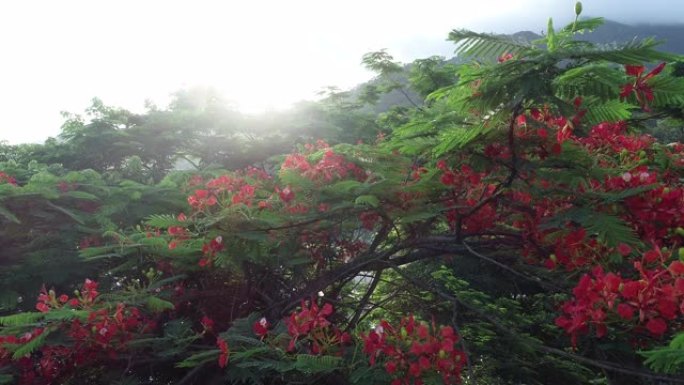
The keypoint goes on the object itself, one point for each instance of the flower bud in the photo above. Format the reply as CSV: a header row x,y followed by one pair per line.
x,y
578,8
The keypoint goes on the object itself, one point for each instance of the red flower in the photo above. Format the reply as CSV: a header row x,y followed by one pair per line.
x,y
656,326
391,367
505,57
89,290
207,323
202,199
223,356
676,268
260,327
624,249
642,91
6,178
625,311
286,194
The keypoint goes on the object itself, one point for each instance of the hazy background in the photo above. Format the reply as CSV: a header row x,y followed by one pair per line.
x,y
57,55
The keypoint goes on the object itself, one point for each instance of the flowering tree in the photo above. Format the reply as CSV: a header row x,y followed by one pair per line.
x,y
519,215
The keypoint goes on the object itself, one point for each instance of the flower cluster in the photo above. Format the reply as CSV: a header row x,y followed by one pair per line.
x,y
313,330
48,299
468,189
411,350
101,331
4,178
330,167
647,303
210,249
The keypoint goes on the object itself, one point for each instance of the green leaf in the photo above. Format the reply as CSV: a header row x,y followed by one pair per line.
x,y
609,229
199,358
669,359
584,25
7,214
66,314
455,138
163,221
418,216
550,36
317,364
163,282
67,212
368,200
610,111
32,345
345,186
485,45
20,319
158,305
298,261
81,195
239,356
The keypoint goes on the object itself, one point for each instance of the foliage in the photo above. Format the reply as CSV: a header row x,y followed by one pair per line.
x,y
516,227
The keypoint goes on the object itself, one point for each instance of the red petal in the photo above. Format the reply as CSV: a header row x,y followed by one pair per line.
x,y
633,70
626,90
625,311
655,71
676,268
656,326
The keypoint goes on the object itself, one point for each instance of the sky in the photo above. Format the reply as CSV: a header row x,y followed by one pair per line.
x,y
260,54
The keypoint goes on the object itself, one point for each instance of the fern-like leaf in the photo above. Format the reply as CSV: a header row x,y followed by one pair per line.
x,y
668,359
610,111
636,51
21,319
484,45
162,221
32,345
588,25
199,358
159,305
317,364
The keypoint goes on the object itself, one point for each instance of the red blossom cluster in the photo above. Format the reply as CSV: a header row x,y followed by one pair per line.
x,y
210,249
234,189
612,137
646,294
330,167
202,199
468,190
48,300
314,331
648,302
412,350
177,234
4,178
103,332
